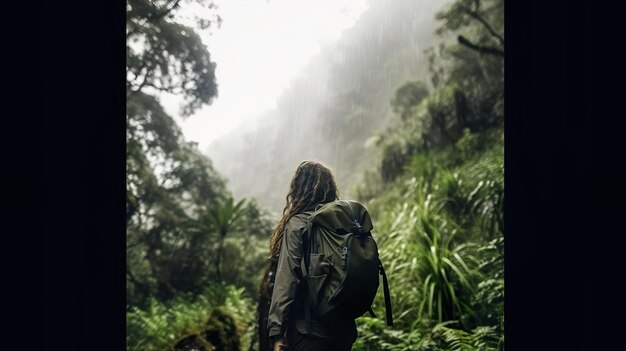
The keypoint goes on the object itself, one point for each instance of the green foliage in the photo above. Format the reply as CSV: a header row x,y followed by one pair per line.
x,y
165,55
439,209
440,126
221,331
437,198
374,335
193,342
246,249
468,94
440,236
224,216
184,229
407,97
480,21
484,190
371,185
168,181
394,158
476,63
442,272
488,301
160,325
479,339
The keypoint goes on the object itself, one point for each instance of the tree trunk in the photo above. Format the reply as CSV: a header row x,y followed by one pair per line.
x,y
218,260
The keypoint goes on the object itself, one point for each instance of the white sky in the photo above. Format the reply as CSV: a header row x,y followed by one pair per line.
x,y
260,47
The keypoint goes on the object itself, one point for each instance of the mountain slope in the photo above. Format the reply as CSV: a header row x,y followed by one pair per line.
x,y
333,107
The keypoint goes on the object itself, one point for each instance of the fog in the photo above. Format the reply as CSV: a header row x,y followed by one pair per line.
x,y
339,100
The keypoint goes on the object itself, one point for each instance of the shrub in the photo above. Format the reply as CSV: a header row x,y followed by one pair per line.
x,y
161,326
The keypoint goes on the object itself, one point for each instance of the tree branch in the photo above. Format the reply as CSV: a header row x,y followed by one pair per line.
x,y
134,280
171,90
147,66
477,17
138,89
482,49
131,245
163,13
153,17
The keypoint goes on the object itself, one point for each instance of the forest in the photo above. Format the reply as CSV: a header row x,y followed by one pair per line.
x,y
419,112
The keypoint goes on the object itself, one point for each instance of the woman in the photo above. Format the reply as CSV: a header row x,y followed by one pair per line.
x,y
263,307
311,185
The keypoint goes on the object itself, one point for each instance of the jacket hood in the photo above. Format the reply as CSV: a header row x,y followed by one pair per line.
x,y
343,216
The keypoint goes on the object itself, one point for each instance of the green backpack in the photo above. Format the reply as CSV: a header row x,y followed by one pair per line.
x,y
340,265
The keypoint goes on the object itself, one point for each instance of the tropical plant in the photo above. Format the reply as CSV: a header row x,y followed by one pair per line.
x,y
443,273
224,216
479,339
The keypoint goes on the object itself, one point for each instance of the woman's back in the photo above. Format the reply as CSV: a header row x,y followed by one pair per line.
x,y
311,185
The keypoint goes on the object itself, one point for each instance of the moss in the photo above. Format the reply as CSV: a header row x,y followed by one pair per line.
x,y
221,331
193,342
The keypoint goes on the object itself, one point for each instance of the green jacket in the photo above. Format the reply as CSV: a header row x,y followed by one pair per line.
x,y
287,305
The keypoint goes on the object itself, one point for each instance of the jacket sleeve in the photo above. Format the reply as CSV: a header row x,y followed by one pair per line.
x,y
288,276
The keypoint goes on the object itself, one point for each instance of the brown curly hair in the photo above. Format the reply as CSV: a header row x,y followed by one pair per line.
x,y
312,184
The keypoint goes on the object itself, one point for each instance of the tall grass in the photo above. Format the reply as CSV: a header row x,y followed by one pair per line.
x,y
439,229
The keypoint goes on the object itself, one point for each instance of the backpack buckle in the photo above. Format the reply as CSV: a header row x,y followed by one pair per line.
x,y
358,226
344,257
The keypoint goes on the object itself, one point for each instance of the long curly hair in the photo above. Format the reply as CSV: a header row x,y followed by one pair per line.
x,y
312,184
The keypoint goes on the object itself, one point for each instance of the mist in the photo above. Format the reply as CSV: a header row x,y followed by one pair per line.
x,y
338,102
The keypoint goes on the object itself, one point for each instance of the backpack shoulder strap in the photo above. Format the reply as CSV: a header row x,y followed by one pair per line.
x,y
387,296
308,246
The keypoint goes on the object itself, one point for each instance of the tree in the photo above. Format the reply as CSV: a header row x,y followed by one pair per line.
x,y
166,55
484,19
225,216
168,181
407,97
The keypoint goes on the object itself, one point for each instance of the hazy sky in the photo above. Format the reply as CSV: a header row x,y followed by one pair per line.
x,y
261,46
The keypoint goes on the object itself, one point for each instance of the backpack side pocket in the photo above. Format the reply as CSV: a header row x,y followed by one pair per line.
x,y
319,268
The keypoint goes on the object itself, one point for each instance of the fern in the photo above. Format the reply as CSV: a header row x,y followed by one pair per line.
x,y
479,339
160,325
